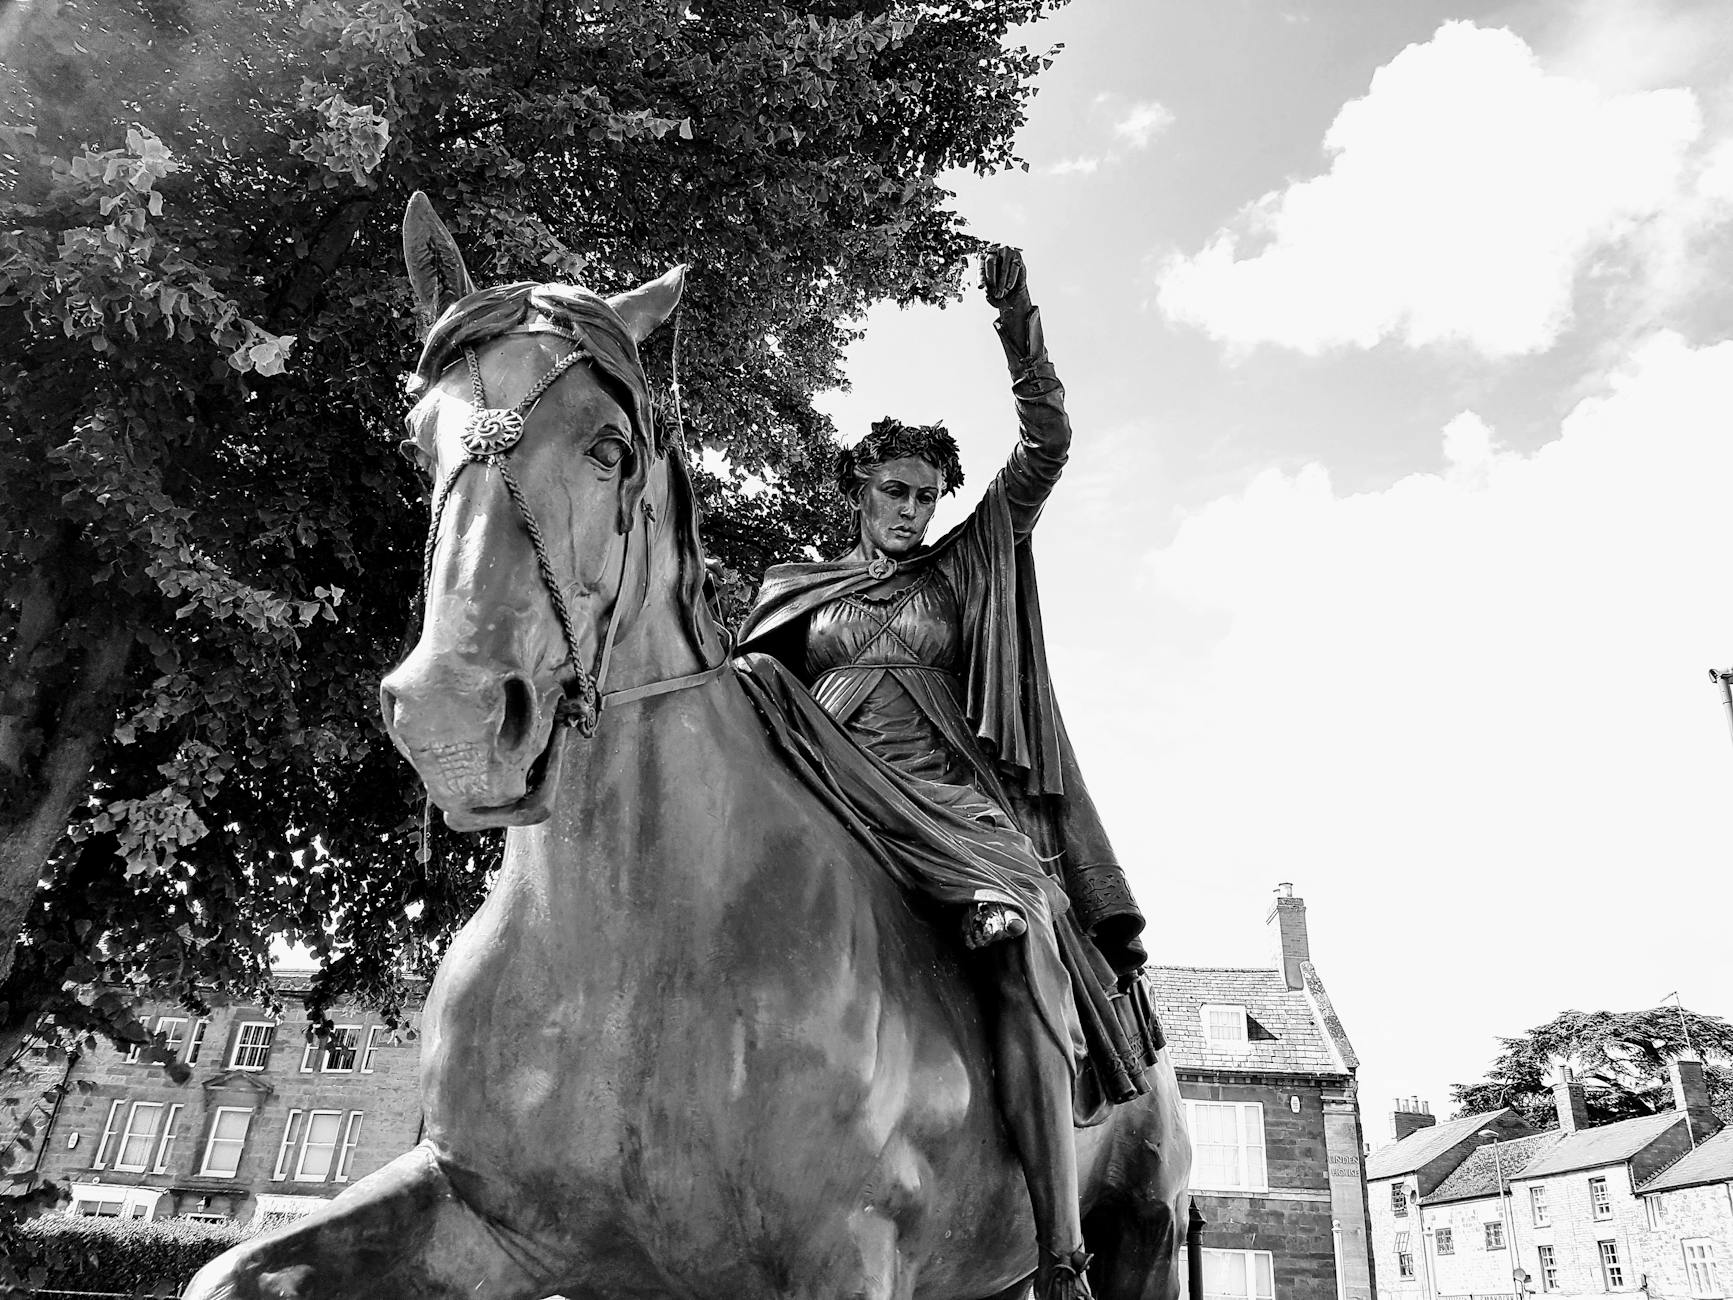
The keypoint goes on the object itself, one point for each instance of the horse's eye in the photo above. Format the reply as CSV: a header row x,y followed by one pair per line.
x,y
609,452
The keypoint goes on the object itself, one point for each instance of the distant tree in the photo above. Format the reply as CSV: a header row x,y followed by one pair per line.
x,y
1620,1056
208,546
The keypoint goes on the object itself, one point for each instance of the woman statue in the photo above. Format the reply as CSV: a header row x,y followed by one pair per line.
x,y
931,658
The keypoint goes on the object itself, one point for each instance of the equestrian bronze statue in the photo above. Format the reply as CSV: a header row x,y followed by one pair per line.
x,y
797,979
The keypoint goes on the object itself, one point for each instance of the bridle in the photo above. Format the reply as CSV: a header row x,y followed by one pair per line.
x,y
488,438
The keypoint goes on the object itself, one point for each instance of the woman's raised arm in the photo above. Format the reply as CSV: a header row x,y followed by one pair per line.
x,y
1044,431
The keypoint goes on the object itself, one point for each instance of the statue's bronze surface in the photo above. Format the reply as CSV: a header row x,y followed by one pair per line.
x,y
714,1031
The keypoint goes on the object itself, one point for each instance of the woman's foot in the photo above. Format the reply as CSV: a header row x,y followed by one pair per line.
x,y
989,923
1062,1276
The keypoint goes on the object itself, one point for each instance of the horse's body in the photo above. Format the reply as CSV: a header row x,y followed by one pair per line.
x,y
695,1042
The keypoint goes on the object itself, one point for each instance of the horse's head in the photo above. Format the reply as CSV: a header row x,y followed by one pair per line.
x,y
550,495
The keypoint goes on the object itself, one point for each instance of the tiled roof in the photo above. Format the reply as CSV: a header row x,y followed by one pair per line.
x,y
1711,1162
1285,1037
1608,1144
1425,1145
1478,1176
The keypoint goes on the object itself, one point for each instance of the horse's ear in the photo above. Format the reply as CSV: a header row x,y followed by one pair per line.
x,y
436,269
647,306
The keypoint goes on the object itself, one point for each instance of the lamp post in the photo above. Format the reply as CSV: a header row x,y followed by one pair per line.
x,y
1723,678
1505,1217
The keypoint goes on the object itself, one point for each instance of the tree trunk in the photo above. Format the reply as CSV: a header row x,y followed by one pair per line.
x,y
57,779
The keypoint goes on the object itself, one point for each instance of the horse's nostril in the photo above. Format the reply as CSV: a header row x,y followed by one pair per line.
x,y
388,705
514,726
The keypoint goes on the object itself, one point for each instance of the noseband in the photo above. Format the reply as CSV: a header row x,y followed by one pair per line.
x,y
488,438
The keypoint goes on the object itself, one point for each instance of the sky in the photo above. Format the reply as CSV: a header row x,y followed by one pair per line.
x,y
1394,550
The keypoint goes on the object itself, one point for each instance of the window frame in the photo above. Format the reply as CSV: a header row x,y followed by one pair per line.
x,y
152,1139
1241,1017
196,1040
1252,1180
1600,1200
292,1125
1252,1259
109,1128
267,1046
1398,1200
1539,1212
173,1041
1711,1266
1654,1213
374,1034
310,1118
166,1141
1607,1250
353,1047
1546,1261
346,1147
240,1143
1494,1234
1444,1241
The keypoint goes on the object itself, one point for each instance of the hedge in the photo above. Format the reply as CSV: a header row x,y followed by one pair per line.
x,y
61,1252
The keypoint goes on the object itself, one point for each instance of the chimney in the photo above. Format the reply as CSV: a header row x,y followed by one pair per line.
x,y
1691,1095
1569,1099
1288,914
1410,1116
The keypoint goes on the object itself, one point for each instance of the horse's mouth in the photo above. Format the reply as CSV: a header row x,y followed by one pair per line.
x,y
537,803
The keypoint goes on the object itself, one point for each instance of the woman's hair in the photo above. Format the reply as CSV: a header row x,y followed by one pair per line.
x,y
891,439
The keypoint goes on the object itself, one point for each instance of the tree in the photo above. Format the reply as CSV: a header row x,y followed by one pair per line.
x,y
1620,1056
210,547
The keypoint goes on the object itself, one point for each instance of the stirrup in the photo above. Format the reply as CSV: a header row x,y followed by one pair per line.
x,y
1067,1280
989,923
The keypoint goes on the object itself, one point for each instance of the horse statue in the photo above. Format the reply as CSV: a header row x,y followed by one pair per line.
x,y
696,1041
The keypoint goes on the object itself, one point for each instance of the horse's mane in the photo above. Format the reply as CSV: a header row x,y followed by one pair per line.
x,y
488,313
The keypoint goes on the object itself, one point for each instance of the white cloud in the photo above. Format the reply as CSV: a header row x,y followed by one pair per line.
x,y
1083,165
1141,123
1466,191
1475,705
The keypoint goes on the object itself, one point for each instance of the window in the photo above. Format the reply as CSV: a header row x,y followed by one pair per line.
x,y
1446,1239
375,1039
165,1148
346,1153
253,1045
196,1043
291,1135
1224,1025
336,1055
1654,1212
1239,1275
109,1128
138,1144
1612,1267
100,1209
319,1146
1700,1272
174,1031
228,1136
1537,1205
1495,1236
1399,1200
1548,1268
1404,1256
1227,1145
1600,1204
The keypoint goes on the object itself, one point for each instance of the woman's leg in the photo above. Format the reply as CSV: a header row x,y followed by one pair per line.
x,y
1034,1080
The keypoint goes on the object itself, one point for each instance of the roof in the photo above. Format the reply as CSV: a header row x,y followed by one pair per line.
x,y
1606,1144
1285,1035
1478,1175
1423,1146
1711,1162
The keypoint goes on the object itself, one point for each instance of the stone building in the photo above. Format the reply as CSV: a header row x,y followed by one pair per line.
x,y
1486,1207
265,1122
1268,1078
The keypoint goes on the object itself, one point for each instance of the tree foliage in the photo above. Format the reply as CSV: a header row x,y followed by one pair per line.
x,y
1620,1056
210,545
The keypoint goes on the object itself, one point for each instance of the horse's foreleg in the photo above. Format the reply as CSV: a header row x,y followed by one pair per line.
x,y
400,1232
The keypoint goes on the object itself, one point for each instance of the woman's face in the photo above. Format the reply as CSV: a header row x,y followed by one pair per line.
x,y
896,504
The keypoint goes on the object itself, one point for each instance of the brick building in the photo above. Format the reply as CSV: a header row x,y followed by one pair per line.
x,y
1486,1207
1268,1078
265,1122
